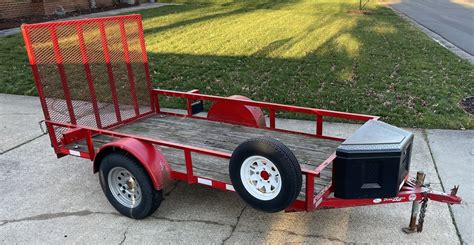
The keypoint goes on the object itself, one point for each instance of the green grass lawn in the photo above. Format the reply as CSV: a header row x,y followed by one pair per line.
x,y
310,53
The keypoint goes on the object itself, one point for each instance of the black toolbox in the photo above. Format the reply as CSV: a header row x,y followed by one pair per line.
x,y
373,162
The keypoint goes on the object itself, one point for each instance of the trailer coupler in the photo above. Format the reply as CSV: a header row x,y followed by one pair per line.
x,y
427,195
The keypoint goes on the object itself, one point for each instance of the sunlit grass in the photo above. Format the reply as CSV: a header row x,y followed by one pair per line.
x,y
290,31
309,53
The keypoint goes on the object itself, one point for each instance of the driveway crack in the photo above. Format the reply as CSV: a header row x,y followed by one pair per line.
x,y
49,216
234,226
125,234
190,220
333,239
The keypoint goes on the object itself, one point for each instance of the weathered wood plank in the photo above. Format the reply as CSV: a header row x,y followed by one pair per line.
x,y
309,151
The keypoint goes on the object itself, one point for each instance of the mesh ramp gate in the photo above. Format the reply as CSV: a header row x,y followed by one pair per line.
x,y
91,72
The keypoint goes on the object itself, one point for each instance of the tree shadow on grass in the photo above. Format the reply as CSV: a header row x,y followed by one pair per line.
x,y
386,74
231,8
373,64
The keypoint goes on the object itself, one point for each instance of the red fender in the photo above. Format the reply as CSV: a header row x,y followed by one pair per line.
x,y
150,158
236,113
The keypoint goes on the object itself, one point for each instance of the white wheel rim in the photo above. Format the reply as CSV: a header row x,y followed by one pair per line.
x,y
260,177
124,187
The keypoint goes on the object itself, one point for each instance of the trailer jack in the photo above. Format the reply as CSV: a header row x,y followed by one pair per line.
x,y
435,196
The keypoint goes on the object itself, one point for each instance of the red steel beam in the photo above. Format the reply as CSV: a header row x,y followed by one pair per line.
x,y
267,105
324,164
62,73
189,108
90,144
157,104
141,37
87,70
319,125
309,191
131,79
189,165
404,196
324,193
83,21
203,181
110,72
39,86
272,118
65,151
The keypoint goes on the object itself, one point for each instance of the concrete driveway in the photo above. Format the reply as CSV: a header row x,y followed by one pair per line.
x,y
453,153
49,200
451,19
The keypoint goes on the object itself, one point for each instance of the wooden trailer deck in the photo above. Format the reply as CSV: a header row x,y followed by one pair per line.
x,y
309,151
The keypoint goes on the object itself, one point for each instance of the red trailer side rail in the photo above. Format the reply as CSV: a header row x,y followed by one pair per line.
x,y
300,205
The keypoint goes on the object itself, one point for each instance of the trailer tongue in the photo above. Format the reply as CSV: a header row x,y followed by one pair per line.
x,y
95,89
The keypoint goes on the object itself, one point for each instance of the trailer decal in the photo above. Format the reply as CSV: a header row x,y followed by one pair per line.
x,y
229,187
204,181
75,153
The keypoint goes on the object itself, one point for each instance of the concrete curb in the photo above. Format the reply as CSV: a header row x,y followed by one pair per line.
x,y
12,31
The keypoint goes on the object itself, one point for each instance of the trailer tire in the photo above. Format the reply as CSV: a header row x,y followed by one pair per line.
x,y
266,174
121,177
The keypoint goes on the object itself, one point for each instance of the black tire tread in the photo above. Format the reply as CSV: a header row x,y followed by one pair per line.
x,y
287,156
283,150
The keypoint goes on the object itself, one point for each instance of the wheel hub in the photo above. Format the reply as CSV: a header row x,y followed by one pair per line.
x,y
124,187
131,184
260,177
265,175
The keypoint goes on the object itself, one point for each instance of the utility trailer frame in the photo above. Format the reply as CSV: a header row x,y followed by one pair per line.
x,y
114,90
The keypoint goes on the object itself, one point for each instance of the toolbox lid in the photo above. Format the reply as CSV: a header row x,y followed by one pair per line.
x,y
376,137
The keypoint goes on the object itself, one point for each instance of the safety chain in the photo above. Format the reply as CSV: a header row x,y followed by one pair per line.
x,y
421,220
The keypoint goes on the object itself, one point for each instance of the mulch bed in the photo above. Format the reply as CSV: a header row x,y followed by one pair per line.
x,y
356,11
468,104
16,22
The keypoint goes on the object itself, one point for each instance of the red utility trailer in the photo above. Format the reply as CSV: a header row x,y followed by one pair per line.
x,y
95,89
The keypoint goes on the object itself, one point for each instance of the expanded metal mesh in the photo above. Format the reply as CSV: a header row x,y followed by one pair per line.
x,y
90,72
